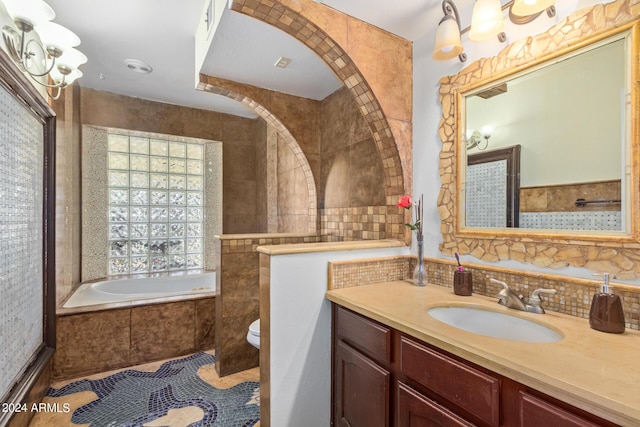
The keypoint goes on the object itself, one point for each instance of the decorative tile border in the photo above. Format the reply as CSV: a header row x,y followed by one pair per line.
x,y
362,223
298,26
250,244
573,297
346,274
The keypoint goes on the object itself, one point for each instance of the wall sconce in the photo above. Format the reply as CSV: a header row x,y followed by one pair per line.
x,y
448,43
479,140
487,21
525,11
56,45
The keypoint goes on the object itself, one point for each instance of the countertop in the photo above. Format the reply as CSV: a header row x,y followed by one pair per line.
x,y
301,248
592,370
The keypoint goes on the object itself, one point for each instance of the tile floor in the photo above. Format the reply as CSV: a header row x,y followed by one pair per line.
x,y
175,417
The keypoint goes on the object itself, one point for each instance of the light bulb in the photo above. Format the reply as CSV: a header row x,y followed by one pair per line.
x,y
34,12
56,36
487,20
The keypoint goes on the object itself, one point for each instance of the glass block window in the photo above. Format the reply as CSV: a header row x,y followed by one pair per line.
x,y
156,205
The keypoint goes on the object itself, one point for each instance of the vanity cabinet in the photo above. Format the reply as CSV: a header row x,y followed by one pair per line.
x,y
361,378
383,377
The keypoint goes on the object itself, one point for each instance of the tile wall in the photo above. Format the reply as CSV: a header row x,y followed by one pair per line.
x,y
573,297
238,301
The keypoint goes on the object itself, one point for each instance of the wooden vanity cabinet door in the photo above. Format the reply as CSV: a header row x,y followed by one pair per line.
x,y
362,390
535,412
415,410
464,386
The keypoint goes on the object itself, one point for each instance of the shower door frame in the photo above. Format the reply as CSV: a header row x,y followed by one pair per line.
x,y
22,90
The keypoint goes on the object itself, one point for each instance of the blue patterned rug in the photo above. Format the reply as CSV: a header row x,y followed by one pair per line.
x,y
132,398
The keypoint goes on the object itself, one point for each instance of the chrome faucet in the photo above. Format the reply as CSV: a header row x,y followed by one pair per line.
x,y
509,299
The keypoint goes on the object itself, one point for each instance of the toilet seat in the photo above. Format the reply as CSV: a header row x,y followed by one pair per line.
x,y
253,336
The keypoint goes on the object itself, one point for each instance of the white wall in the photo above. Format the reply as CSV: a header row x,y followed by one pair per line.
x,y
574,118
301,335
427,113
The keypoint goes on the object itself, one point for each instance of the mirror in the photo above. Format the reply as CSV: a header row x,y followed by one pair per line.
x,y
613,251
570,120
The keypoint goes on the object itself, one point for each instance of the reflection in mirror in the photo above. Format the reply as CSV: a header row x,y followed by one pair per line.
x,y
493,188
570,116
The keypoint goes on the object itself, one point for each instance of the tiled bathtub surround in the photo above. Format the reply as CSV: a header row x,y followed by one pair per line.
x,y
238,301
120,335
573,297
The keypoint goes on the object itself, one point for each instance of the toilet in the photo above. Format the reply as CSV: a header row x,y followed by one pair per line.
x,y
253,336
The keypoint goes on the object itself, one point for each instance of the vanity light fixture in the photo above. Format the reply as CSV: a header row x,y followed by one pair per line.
x,y
448,43
479,140
525,11
487,21
54,42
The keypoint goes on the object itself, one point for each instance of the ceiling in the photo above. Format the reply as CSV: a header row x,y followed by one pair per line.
x,y
162,34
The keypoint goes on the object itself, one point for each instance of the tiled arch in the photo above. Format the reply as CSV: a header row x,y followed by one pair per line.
x,y
296,25
288,139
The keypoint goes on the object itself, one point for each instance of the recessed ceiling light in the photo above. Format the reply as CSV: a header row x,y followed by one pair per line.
x,y
282,62
138,66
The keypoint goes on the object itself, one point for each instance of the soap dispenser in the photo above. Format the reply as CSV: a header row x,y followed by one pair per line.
x,y
606,313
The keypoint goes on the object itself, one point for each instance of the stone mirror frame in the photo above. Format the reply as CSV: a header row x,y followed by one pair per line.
x,y
618,255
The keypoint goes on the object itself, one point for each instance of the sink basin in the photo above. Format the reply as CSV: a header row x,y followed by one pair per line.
x,y
494,324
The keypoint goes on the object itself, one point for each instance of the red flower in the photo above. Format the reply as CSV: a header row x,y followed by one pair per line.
x,y
405,202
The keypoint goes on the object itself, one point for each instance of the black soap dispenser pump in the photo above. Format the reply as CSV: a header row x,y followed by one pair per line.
x,y
606,313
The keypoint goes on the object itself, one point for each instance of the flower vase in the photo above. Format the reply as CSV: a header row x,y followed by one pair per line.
x,y
419,275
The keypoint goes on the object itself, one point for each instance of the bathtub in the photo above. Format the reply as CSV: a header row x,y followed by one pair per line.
x,y
112,291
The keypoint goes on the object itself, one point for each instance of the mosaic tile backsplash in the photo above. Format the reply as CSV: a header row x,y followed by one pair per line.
x,y
573,297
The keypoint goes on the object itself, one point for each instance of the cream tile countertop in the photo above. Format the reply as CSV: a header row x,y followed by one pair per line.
x,y
592,370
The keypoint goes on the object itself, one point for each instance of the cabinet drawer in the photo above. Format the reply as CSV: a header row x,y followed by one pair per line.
x,y
369,337
416,410
536,412
466,387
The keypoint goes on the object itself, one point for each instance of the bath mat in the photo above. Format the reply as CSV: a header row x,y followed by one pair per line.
x,y
134,398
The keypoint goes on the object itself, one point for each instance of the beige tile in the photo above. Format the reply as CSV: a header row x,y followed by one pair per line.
x,y
92,342
178,417
205,324
175,337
